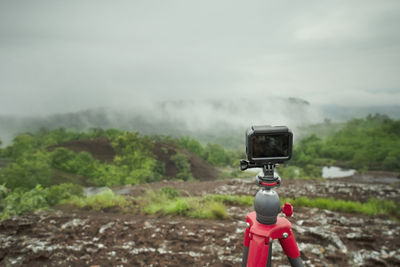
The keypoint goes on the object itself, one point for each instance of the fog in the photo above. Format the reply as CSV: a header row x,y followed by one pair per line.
x,y
249,57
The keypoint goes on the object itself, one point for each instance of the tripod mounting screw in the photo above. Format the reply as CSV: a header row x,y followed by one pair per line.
x,y
285,235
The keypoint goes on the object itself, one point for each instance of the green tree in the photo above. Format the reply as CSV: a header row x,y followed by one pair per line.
x,y
21,201
81,163
216,155
1,150
191,145
22,144
366,144
135,156
27,171
183,166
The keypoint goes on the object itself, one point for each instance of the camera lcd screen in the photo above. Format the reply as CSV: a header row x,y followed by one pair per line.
x,y
270,146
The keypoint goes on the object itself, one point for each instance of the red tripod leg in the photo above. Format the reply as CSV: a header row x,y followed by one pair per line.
x,y
291,250
258,252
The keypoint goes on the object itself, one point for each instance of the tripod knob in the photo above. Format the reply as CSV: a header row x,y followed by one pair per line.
x,y
287,209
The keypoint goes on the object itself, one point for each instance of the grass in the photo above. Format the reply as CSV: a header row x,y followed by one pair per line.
x,y
230,172
232,199
372,207
103,200
167,202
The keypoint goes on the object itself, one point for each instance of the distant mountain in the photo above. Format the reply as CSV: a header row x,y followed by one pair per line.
x,y
223,121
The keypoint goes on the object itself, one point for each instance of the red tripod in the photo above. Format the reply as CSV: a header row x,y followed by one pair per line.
x,y
264,226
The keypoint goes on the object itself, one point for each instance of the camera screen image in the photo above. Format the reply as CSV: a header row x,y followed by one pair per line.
x,y
270,146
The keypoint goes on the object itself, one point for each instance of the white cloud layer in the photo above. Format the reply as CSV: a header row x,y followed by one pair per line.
x,y
58,56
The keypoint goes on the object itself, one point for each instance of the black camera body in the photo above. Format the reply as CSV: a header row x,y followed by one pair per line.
x,y
267,145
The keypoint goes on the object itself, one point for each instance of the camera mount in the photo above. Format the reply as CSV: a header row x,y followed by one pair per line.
x,y
267,177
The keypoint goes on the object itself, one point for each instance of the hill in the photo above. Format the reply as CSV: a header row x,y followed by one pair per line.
x,y
105,158
101,149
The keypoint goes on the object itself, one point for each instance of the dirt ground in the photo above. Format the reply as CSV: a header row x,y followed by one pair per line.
x,y
85,238
100,148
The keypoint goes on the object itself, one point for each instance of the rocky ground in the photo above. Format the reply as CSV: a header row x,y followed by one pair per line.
x,y
85,238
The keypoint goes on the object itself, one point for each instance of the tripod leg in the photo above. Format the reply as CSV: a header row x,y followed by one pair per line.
x,y
296,262
291,250
246,244
269,254
258,252
245,256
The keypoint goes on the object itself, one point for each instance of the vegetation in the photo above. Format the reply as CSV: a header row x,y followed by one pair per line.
x,y
215,154
213,206
372,207
168,202
183,166
135,159
103,200
22,201
27,171
309,171
372,143
235,172
237,200
35,163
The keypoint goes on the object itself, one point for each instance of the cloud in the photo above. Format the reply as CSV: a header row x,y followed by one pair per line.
x,y
66,56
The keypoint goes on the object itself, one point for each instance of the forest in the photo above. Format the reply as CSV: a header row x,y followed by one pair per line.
x,y
42,169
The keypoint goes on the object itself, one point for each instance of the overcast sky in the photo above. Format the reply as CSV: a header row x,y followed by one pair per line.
x,y
58,56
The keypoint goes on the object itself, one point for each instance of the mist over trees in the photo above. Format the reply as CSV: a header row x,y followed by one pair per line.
x,y
209,121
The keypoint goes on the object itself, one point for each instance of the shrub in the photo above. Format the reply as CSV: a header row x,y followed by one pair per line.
x,y
183,166
177,206
210,210
81,163
27,171
3,195
166,202
216,155
372,143
169,192
62,192
20,202
135,156
191,145
109,175
103,200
